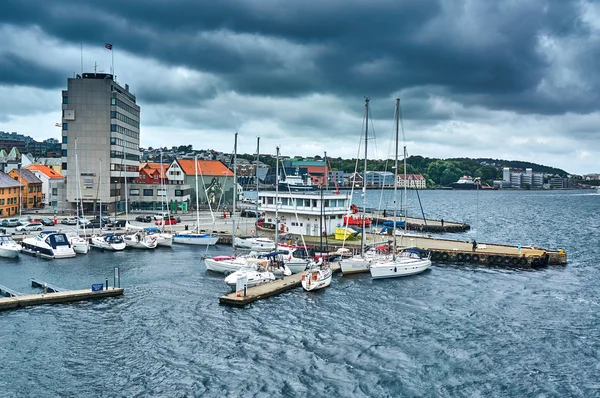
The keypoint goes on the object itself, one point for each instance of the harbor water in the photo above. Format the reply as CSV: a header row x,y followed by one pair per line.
x,y
456,330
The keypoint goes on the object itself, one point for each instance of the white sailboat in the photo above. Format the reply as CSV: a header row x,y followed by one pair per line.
x,y
318,277
362,262
80,245
111,241
410,261
195,238
163,238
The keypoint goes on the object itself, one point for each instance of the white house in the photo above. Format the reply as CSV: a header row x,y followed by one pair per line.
x,y
413,181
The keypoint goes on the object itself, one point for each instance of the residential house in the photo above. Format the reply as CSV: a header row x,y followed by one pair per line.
x,y
147,194
32,188
10,192
412,181
215,180
47,176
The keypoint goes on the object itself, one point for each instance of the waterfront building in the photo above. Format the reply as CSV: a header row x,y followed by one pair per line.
x,y
152,190
47,176
303,212
412,181
380,179
10,194
104,118
559,183
215,180
32,188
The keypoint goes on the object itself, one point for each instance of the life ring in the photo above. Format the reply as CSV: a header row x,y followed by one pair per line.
x,y
523,261
444,256
475,258
282,227
460,257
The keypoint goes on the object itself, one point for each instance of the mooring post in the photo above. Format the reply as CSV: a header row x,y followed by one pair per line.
x,y
45,287
106,284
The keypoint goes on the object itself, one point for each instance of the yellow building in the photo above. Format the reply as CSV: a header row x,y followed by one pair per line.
x,y
10,192
32,188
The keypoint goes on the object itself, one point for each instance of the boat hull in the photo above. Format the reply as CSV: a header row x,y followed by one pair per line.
x,y
395,269
323,279
254,243
355,265
224,266
11,251
195,239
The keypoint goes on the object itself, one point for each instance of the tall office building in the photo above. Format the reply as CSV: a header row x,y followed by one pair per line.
x,y
103,119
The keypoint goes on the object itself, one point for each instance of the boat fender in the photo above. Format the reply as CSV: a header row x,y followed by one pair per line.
x,y
523,261
287,229
315,276
445,256
467,257
460,257
303,276
514,261
506,260
252,231
395,270
475,258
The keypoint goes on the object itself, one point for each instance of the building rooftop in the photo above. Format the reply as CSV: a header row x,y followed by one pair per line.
x,y
7,182
49,172
28,176
205,168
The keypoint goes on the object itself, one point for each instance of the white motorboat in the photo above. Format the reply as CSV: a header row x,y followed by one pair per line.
x,y
8,247
49,244
193,238
108,242
253,243
80,245
164,239
356,264
410,261
140,240
225,264
255,276
316,278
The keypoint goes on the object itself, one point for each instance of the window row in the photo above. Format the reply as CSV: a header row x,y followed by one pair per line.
x,y
121,167
120,142
124,106
128,156
9,201
147,192
125,131
14,190
125,119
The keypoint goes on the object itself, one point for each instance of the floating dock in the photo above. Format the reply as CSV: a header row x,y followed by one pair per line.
x,y
268,289
67,296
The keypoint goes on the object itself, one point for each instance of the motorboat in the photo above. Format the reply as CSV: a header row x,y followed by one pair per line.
x,y
108,242
80,245
317,277
362,263
8,247
256,274
49,244
254,243
140,240
194,238
409,261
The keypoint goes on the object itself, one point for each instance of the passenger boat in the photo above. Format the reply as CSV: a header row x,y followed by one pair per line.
x,y
316,278
8,247
295,257
108,242
410,261
49,244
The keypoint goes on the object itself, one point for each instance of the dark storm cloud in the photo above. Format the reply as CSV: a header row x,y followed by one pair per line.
x,y
480,53
15,70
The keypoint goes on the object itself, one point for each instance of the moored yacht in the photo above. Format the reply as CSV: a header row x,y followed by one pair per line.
x,y
316,278
108,242
140,240
254,243
8,247
410,261
49,244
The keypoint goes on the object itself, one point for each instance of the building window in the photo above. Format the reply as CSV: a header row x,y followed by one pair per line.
x,y
113,140
64,139
64,152
134,192
148,192
54,191
65,126
65,100
64,166
113,127
113,114
113,101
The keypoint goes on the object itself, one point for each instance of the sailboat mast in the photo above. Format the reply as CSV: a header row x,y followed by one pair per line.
x,y
276,196
77,188
395,175
197,200
364,188
126,190
326,187
235,173
100,190
257,183
405,175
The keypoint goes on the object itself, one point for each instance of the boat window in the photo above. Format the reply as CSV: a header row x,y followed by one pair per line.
x,y
270,201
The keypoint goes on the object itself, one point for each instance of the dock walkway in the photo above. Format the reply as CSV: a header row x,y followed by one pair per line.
x,y
267,290
9,303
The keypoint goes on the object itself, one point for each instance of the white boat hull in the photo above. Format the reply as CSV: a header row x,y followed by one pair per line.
x,y
195,239
164,239
136,241
254,243
80,245
315,279
100,243
255,278
10,250
355,265
225,266
395,269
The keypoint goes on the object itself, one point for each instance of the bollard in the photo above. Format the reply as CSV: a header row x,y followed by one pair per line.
x,y
45,287
106,284
245,289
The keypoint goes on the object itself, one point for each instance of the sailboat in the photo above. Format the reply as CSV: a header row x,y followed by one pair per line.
x,y
362,262
80,245
253,242
318,277
409,261
110,241
162,238
195,238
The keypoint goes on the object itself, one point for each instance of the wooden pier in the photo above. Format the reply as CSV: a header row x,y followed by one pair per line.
x,y
267,290
19,301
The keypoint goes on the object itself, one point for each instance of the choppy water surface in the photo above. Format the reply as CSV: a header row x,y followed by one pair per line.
x,y
453,331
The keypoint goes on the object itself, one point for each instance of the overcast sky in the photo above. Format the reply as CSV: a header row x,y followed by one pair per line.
x,y
511,79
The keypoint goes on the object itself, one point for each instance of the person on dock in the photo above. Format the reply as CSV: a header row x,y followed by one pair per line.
x,y
442,221
474,245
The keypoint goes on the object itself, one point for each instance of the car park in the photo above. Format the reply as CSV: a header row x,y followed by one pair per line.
x,y
32,226
141,218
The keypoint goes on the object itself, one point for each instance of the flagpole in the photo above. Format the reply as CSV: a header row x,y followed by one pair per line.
x,y
81,59
112,53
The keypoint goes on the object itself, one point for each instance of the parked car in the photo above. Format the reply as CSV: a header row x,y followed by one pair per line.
x,y
69,221
119,223
143,218
13,222
4,223
46,221
167,221
248,213
2,230
160,216
106,223
32,226
92,224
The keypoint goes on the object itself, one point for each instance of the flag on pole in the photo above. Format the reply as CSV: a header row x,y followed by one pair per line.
x,y
108,46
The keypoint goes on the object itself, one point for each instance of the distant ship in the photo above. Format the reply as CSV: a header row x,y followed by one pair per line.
x,y
466,182
296,183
